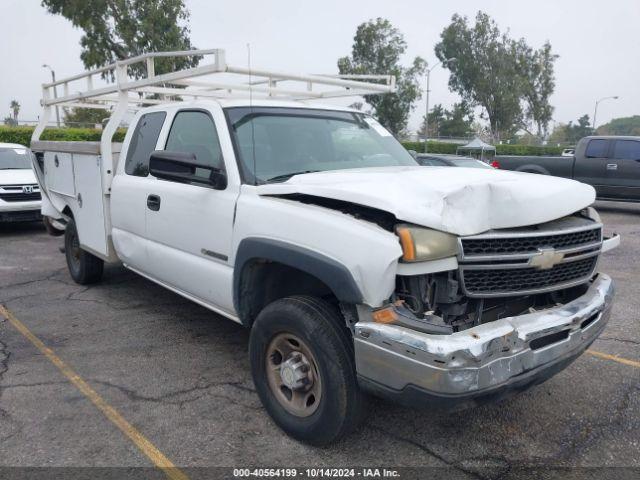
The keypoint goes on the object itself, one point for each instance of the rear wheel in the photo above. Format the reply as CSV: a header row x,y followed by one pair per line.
x,y
303,368
84,267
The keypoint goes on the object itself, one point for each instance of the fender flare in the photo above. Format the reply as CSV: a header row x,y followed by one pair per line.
x,y
332,273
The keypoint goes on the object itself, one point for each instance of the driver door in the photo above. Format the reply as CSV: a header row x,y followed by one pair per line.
x,y
189,225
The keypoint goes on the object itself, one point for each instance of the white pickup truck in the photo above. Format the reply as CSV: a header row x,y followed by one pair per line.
x,y
356,269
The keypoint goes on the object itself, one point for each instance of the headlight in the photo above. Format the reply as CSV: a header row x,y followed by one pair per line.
x,y
422,244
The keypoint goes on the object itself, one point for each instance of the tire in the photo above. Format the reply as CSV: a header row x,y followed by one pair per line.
x,y
84,267
51,230
325,345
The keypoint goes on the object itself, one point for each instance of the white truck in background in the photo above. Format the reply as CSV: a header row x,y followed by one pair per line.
x,y
19,191
356,269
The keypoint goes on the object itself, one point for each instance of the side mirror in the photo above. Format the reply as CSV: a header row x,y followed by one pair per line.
x,y
181,167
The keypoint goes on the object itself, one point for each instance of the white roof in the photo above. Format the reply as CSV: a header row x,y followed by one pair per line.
x,y
11,145
477,144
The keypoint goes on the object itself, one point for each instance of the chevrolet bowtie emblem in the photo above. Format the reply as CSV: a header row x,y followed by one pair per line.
x,y
546,259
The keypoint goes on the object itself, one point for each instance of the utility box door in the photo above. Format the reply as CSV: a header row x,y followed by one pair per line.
x,y
59,173
90,210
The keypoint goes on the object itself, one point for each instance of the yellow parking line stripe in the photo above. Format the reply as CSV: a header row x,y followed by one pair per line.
x,y
140,441
614,358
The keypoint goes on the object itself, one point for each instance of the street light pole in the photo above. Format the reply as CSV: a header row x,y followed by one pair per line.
x,y
595,110
426,118
55,91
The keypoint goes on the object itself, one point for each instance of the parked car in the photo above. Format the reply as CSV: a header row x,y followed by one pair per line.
x,y
355,269
19,190
610,164
442,160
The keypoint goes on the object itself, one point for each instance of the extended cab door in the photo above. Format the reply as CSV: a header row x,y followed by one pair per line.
x,y
129,191
189,225
623,169
591,167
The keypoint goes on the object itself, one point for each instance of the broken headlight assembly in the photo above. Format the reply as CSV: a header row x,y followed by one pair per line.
x,y
423,244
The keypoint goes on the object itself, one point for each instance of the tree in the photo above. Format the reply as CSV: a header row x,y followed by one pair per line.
x,y
536,69
621,126
9,121
15,110
85,117
117,29
498,74
456,122
570,132
377,48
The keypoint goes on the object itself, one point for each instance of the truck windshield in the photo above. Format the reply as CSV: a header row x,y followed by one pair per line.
x,y
14,158
276,143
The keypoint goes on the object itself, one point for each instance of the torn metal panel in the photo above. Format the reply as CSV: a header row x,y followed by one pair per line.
x,y
460,201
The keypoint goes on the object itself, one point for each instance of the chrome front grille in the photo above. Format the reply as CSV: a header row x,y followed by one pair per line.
x,y
20,193
548,257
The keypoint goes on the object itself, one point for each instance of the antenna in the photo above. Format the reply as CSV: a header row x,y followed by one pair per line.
x,y
253,133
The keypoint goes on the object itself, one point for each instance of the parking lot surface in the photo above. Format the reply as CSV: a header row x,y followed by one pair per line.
x,y
179,376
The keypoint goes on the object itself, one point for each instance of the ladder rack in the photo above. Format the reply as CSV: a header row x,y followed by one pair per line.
x,y
120,91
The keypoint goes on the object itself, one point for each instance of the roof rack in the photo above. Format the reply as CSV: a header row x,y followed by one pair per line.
x,y
120,91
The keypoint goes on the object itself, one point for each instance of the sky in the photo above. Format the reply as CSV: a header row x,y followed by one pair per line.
x,y
598,43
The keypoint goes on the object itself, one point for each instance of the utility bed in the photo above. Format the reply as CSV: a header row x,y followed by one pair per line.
x,y
73,175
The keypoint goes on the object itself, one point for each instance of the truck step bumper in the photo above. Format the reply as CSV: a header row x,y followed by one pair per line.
x,y
484,362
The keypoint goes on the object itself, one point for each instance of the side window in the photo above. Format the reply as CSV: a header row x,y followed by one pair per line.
x,y
627,150
597,148
143,142
194,132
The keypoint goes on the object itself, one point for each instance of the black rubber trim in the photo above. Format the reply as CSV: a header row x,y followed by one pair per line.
x,y
335,275
417,397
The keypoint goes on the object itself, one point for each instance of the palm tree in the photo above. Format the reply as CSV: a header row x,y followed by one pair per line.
x,y
15,108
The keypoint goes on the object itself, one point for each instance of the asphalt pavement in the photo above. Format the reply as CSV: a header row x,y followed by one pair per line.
x,y
178,376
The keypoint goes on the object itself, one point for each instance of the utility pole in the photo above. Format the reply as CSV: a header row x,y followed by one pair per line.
x,y
595,110
426,118
55,91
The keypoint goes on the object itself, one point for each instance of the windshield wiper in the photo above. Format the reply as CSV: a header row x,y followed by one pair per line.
x,y
287,176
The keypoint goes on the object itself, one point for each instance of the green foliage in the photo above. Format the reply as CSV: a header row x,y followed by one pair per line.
x,y
444,147
85,117
497,73
15,110
621,126
117,29
377,48
529,150
456,122
536,70
22,135
570,133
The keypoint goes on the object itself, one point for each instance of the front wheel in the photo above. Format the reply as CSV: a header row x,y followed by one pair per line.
x,y
84,267
303,369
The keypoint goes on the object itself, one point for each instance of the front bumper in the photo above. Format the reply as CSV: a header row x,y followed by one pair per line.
x,y
20,212
484,362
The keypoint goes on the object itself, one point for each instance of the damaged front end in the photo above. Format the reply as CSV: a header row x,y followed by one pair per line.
x,y
520,305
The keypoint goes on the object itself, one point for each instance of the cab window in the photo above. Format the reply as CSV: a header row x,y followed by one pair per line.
x,y
626,150
194,132
143,142
597,148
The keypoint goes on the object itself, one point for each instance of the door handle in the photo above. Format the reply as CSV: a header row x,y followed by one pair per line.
x,y
153,202
612,166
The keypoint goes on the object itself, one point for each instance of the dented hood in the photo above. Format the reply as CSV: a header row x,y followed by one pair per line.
x,y
462,201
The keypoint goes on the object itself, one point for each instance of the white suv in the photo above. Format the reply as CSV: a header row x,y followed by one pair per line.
x,y
19,190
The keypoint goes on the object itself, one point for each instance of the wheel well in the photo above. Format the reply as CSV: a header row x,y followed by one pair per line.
x,y
67,211
263,281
